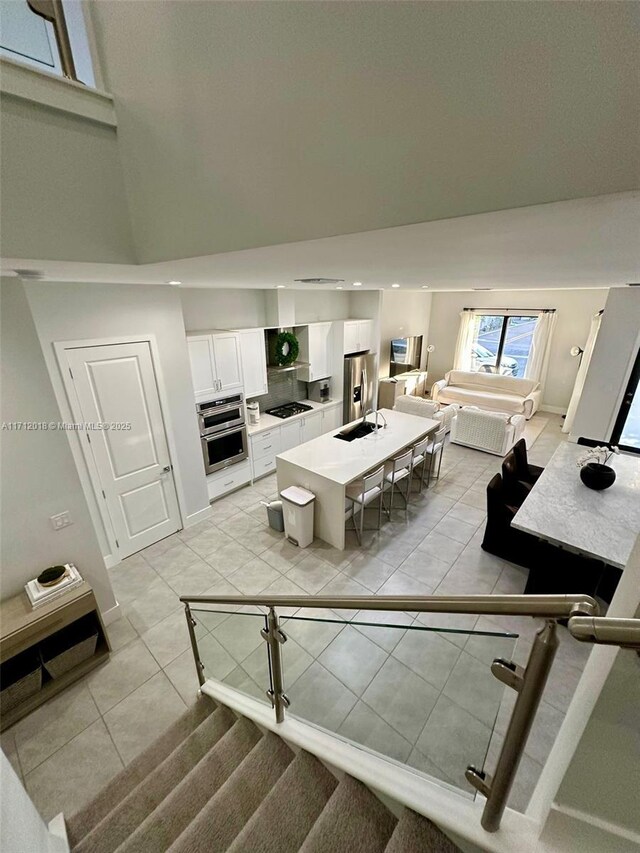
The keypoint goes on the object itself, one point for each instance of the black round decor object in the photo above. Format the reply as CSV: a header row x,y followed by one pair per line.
x,y
286,349
51,575
597,476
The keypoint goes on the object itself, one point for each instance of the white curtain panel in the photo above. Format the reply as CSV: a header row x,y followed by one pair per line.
x,y
462,358
540,345
596,320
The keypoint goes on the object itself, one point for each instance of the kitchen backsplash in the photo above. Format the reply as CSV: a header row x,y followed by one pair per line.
x,y
283,388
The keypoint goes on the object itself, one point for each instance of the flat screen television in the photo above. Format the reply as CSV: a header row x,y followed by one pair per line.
x,y
405,354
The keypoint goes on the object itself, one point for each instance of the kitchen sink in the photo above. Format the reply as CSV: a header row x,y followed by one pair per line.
x,y
359,431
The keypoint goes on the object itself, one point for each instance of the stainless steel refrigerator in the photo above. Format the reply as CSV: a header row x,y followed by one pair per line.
x,y
359,385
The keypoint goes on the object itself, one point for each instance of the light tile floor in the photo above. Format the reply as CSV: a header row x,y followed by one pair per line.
x,y
422,697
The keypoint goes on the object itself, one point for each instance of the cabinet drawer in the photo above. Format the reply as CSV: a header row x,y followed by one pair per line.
x,y
264,465
265,444
226,481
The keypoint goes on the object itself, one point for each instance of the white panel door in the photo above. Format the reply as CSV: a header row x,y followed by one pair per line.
x,y
226,353
254,362
116,384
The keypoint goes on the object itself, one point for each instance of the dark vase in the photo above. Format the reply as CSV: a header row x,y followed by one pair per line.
x,y
597,476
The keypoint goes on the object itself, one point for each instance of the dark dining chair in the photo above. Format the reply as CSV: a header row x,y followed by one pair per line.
x,y
526,472
514,488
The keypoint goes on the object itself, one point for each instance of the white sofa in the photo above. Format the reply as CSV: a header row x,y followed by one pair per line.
x,y
411,405
489,391
493,432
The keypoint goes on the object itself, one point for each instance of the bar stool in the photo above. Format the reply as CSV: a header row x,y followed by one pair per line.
x,y
420,459
436,448
397,470
360,494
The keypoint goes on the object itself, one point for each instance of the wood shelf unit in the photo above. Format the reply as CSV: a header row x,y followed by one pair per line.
x,y
22,627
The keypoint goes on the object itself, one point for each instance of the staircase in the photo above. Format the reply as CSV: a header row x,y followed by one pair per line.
x,y
214,782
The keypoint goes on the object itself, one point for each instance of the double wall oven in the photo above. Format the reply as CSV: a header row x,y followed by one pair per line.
x,y
223,432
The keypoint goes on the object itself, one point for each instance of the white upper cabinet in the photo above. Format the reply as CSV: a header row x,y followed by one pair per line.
x,y
226,350
202,364
254,362
215,363
315,347
357,335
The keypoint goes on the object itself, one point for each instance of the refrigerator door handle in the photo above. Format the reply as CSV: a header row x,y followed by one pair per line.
x,y
363,398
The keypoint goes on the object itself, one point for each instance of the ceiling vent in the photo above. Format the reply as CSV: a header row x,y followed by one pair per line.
x,y
319,280
33,275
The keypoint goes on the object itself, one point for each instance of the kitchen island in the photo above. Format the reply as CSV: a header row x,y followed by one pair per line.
x,y
326,465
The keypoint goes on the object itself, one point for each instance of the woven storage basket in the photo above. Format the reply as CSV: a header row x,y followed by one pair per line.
x,y
21,677
69,647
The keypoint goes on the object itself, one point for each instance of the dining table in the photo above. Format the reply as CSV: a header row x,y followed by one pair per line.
x,y
599,524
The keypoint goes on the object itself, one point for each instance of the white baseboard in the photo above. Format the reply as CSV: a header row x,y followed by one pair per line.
x,y
554,410
197,517
111,615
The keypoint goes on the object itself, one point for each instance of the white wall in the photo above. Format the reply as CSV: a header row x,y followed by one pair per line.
x,y
251,124
612,361
63,194
21,827
39,476
403,314
64,312
315,306
205,309
574,310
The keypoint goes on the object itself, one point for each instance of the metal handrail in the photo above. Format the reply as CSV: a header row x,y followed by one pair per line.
x,y
529,681
542,606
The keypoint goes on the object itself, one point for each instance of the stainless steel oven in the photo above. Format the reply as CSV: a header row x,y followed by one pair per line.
x,y
220,415
221,449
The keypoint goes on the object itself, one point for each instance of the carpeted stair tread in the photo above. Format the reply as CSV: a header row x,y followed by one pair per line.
x,y
83,821
161,828
287,813
228,811
125,818
417,834
353,820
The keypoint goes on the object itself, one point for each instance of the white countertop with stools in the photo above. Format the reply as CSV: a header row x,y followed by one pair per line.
x,y
562,510
327,464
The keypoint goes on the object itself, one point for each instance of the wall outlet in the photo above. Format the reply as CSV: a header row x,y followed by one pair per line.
x,y
62,519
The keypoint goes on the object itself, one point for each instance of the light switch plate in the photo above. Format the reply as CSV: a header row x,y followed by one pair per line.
x,y
62,519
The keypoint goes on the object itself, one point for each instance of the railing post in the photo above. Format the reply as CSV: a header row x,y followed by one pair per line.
x,y
275,637
191,624
530,684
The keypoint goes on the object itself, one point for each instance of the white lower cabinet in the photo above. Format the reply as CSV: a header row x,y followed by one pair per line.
x,y
230,478
331,418
265,446
310,427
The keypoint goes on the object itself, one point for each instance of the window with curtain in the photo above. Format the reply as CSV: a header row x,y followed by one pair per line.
x,y
501,343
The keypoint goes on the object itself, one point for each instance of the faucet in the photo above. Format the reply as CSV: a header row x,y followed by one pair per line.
x,y
378,414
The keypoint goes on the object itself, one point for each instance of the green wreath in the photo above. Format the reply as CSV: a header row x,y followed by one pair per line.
x,y
285,349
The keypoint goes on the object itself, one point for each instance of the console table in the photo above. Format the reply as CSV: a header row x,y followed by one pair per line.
x,y
23,628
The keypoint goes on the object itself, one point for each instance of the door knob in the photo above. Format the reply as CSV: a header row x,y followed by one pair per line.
x,y
167,468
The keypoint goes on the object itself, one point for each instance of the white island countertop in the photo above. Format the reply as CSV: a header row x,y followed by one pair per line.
x,y
343,461
562,510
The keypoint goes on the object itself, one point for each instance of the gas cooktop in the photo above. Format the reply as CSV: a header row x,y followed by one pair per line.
x,y
289,410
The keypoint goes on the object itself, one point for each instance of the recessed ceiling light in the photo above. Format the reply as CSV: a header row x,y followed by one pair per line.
x,y
174,281
357,284
280,286
339,287
425,287
395,285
